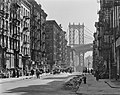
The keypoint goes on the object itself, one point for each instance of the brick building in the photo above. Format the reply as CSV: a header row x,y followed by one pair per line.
x,y
55,43
37,34
108,41
22,35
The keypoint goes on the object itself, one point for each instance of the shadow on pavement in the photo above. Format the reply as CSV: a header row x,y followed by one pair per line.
x,y
52,88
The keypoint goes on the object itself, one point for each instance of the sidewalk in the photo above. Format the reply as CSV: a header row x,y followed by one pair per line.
x,y
4,80
113,83
94,87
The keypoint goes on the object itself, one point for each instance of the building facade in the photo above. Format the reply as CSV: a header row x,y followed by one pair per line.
x,y
37,34
53,43
10,34
108,37
24,59
22,36
63,47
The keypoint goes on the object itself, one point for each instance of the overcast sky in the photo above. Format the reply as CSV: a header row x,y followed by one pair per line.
x,y
77,11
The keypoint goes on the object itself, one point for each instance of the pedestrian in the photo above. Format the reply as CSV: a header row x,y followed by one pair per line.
x,y
37,73
84,79
32,72
14,73
17,72
97,75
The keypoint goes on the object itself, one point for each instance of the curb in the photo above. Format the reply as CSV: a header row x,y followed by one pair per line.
x,y
111,85
16,79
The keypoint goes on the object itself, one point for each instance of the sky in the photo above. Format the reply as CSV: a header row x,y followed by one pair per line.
x,y
73,11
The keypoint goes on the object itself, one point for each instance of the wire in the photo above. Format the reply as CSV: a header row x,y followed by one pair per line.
x,y
88,29
89,36
89,32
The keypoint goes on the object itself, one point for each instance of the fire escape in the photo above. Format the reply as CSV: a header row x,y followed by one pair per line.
x,y
108,29
15,30
3,34
25,41
33,37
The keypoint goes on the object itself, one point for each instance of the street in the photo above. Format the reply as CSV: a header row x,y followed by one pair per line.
x,y
53,85
49,85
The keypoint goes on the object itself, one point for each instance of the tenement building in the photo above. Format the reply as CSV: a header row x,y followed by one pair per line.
x,y
24,59
37,35
108,39
54,44
10,34
22,37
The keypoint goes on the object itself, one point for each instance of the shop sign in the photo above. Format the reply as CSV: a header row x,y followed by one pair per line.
x,y
118,42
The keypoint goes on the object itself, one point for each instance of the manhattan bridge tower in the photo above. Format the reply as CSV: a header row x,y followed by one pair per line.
x,y
76,37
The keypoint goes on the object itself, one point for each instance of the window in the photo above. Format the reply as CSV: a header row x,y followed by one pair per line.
x,y
119,11
18,31
21,10
28,14
24,50
21,23
6,24
2,6
24,12
1,23
10,28
21,48
15,15
106,38
25,24
24,37
11,43
15,30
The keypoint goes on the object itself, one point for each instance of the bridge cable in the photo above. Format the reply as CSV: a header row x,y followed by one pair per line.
x,y
89,30
88,33
88,36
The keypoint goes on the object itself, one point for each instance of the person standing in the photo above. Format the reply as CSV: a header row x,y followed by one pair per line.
x,y
37,73
84,79
97,75
17,71
14,73
32,72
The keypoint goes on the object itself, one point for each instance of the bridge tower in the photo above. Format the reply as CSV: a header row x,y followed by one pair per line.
x,y
76,37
